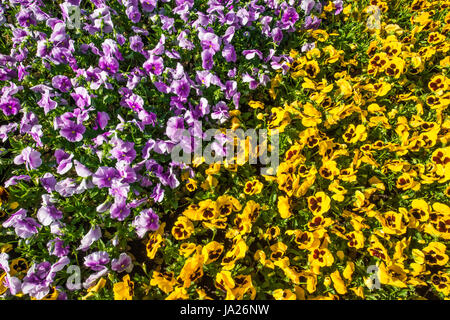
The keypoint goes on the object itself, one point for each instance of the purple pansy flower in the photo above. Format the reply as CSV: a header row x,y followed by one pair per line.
x,y
338,4
104,206
175,128
9,105
63,160
62,83
93,235
14,179
102,119
30,157
250,54
204,77
12,283
111,49
136,43
48,182
183,42
277,35
82,170
154,65
148,5
7,128
220,112
124,151
162,87
29,120
311,23
93,277
123,263
181,87
134,102
48,213
119,189
308,46
25,18
146,221
307,6
147,117
73,131
119,209
39,277
103,177
229,53
108,64
61,155
133,14
289,18
81,97
96,260
207,59
127,174
66,187
209,41
24,226
56,248
147,148
61,55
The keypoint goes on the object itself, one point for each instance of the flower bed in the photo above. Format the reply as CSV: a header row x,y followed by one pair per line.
x,y
97,95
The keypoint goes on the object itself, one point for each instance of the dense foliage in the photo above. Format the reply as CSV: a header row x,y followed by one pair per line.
x,y
95,93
